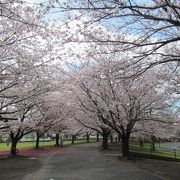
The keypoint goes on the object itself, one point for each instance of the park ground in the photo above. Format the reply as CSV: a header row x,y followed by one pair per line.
x,y
84,162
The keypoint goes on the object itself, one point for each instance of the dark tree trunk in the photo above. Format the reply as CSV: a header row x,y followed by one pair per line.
x,y
97,137
125,146
57,140
14,140
111,138
15,137
141,142
37,140
105,140
119,138
13,147
73,138
87,137
153,145
153,138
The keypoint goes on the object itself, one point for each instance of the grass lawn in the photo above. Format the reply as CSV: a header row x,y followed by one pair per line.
x,y
146,149
5,147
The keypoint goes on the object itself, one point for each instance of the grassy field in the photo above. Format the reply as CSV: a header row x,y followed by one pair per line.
x,y
162,152
5,147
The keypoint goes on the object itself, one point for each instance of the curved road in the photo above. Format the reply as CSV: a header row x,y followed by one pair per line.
x,y
87,162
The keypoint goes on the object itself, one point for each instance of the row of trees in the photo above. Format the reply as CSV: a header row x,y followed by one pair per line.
x,y
76,75
28,81
106,104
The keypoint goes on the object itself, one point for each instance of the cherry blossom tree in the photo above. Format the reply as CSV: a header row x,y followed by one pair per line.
x,y
20,53
24,109
122,104
152,25
60,114
108,86
26,75
24,80
90,120
22,126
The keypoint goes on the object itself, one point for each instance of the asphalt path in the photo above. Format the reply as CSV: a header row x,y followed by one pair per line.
x,y
87,162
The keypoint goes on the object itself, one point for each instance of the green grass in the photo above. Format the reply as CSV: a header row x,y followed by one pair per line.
x,y
146,149
4,147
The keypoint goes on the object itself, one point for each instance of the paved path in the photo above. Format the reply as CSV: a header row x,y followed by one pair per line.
x,y
87,162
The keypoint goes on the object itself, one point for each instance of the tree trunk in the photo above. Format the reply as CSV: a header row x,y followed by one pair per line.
x,y
97,137
13,147
119,138
57,140
111,138
87,137
153,142
73,139
141,142
37,140
14,140
153,145
105,141
125,146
